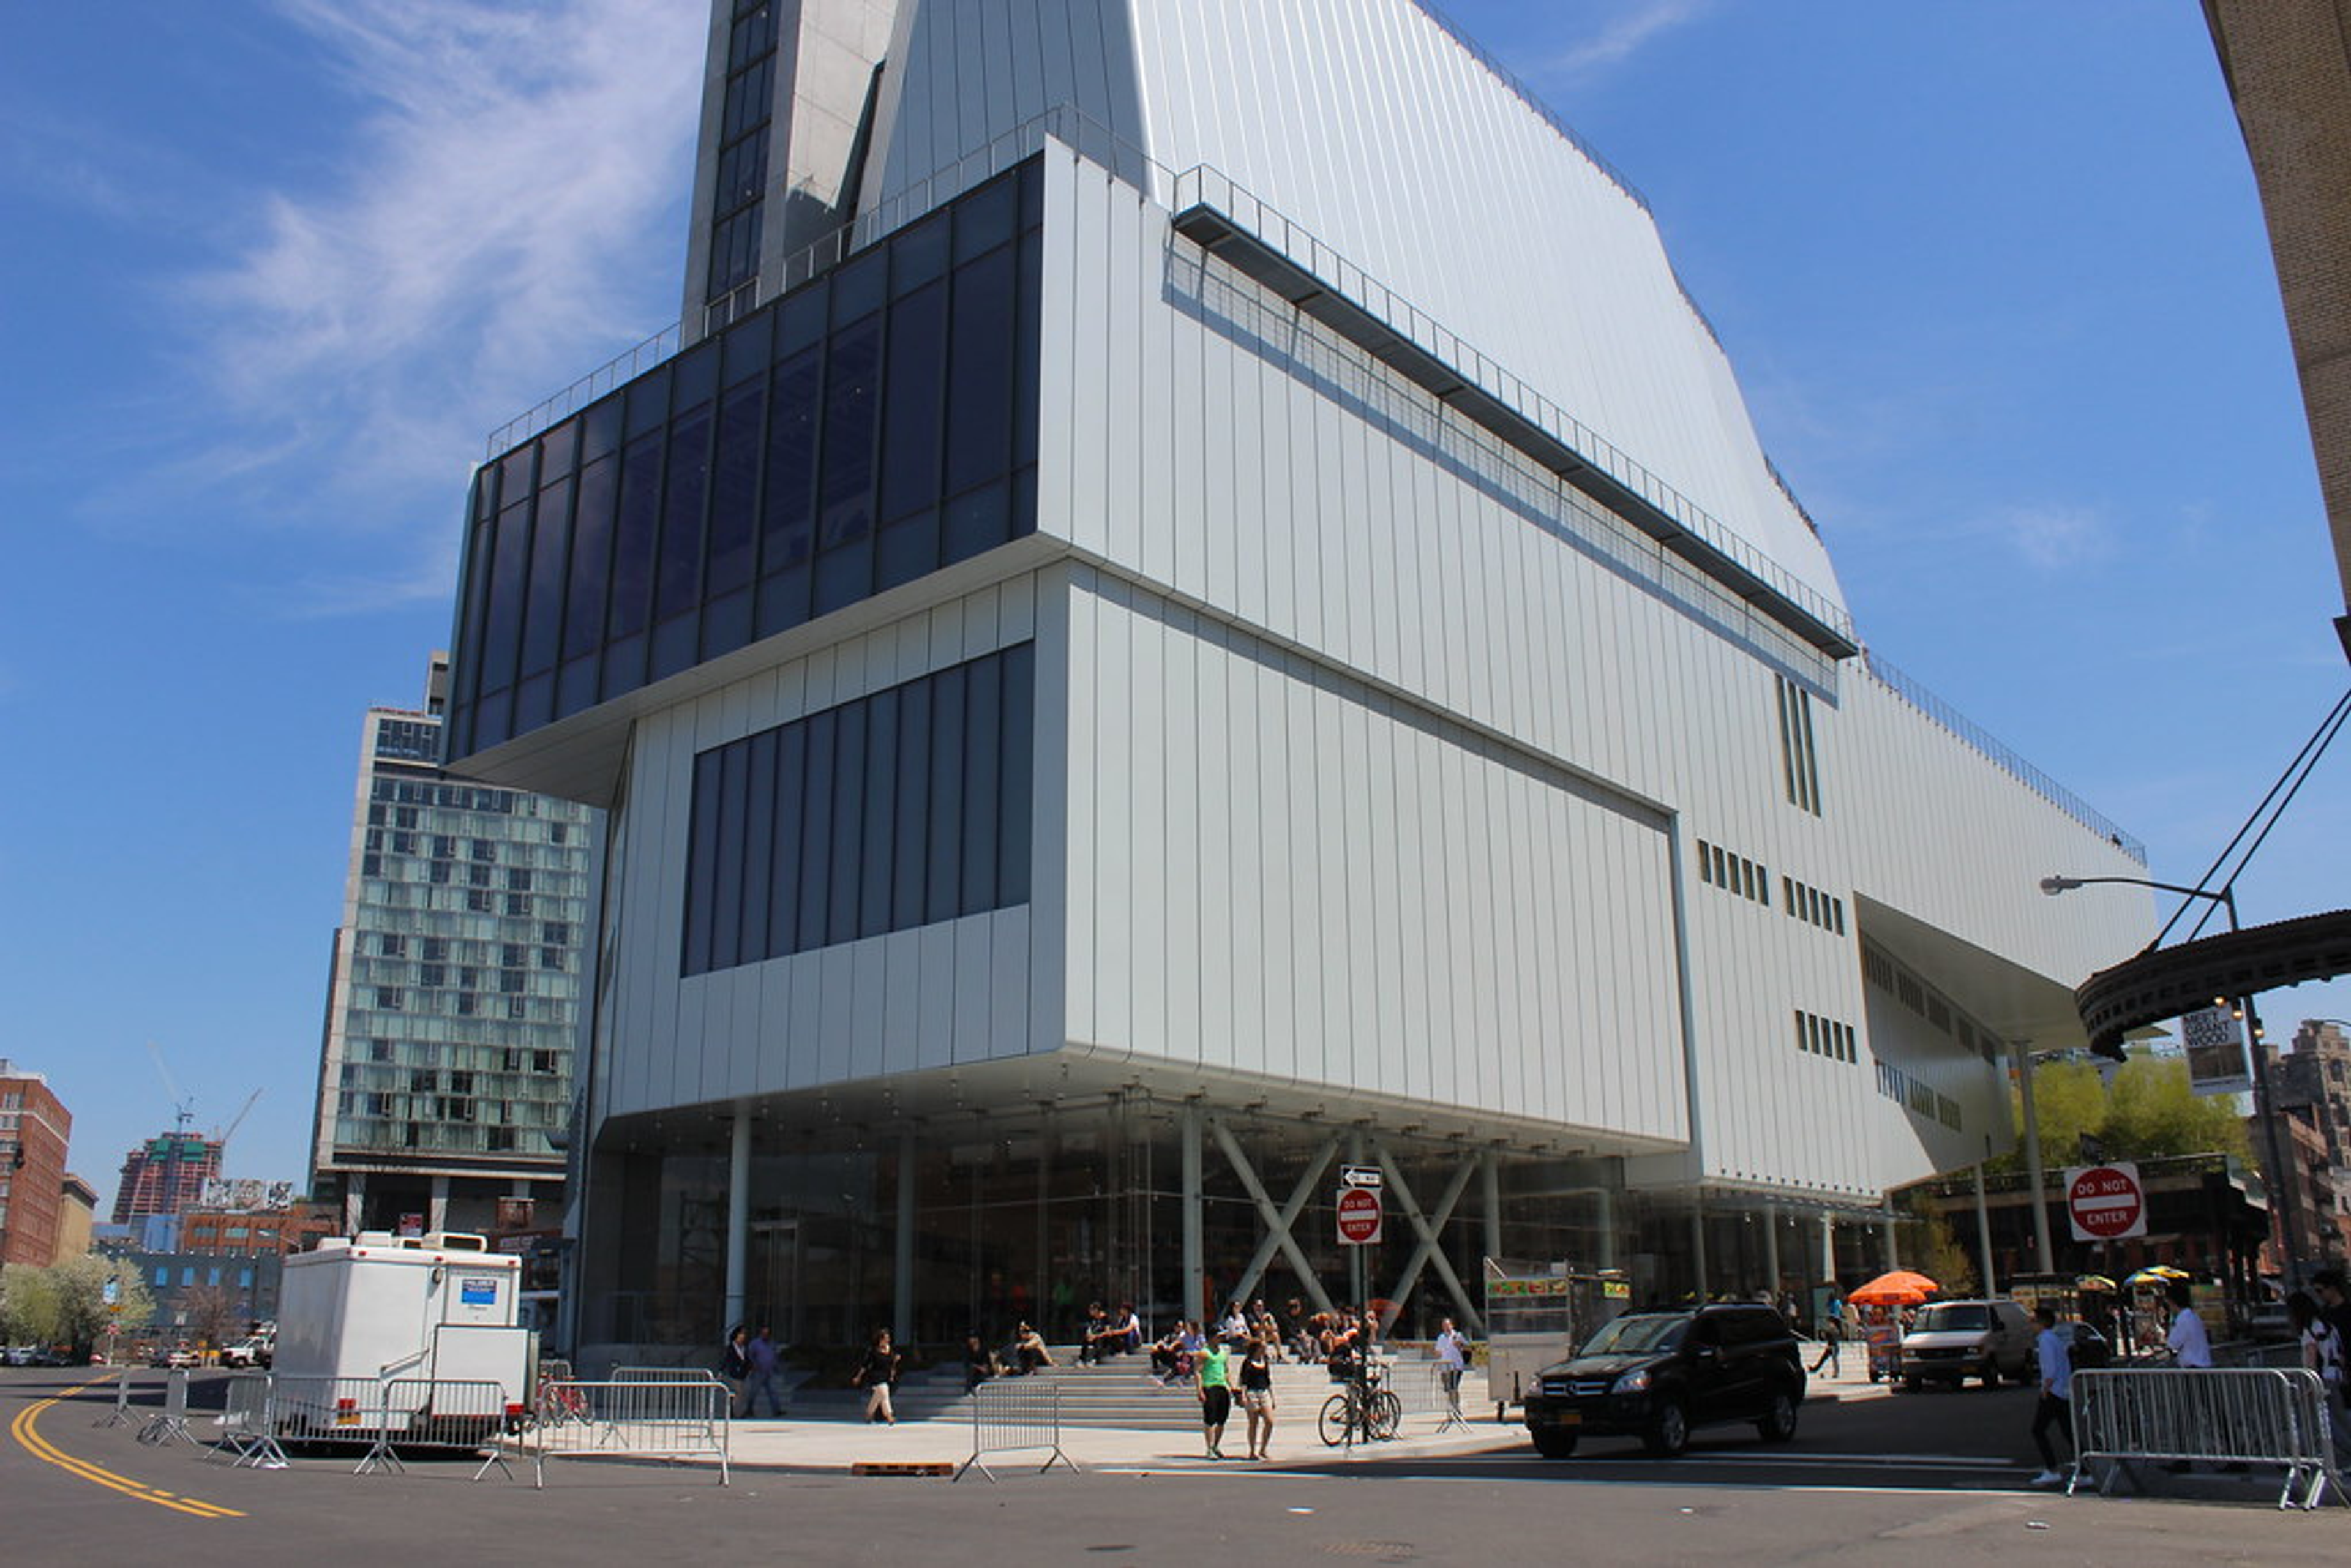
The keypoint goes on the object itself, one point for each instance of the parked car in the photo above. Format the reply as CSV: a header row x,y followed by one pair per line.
x,y
245,1352
20,1356
1657,1376
1951,1341
174,1356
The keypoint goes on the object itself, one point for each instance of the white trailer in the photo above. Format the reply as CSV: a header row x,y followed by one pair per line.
x,y
376,1331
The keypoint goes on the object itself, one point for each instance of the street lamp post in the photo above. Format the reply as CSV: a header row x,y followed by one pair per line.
x,y
2280,1174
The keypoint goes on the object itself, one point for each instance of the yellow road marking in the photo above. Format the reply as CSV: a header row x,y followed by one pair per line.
x,y
41,1448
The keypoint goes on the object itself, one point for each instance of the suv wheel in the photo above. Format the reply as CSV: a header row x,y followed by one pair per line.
x,y
1555,1445
1779,1423
1669,1434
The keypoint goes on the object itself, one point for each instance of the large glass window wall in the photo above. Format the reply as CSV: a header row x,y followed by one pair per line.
x,y
1028,1216
870,427
892,811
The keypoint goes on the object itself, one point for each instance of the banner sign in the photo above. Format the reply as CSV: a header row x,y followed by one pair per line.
x,y
2217,1059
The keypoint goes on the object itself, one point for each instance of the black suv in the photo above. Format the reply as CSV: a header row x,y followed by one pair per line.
x,y
1656,1376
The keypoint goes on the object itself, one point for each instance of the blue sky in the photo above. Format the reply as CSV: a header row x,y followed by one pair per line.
x,y
1992,272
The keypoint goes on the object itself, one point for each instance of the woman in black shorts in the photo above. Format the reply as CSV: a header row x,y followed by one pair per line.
x,y
1256,1395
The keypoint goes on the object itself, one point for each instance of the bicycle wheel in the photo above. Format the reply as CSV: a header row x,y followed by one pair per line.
x,y
1336,1421
1384,1416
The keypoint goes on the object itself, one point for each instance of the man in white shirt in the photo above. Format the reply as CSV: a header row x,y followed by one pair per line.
x,y
2190,1346
2056,1357
1452,1359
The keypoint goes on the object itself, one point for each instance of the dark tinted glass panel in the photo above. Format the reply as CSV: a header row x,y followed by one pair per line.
x,y
727,903
592,544
632,538
742,171
880,821
736,492
696,378
976,520
913,832
943,897
859,285
847,821
543,619
877,815
791,804
514,475
919,254
703,860
906,550
649,402
754,35
748,345
511,560
987,218
790,507
852,367
1014,834
979,386
801,317
916,381
476,604
600,429
680,588
1026,343
816,831
758,844
557,451
983,766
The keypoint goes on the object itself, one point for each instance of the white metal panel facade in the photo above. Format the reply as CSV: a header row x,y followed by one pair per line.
x,y
958,991
1371,125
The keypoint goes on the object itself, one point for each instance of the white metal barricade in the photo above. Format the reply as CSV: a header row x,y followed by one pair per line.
x,y
1016,1414
668,1418
170,1424
247,1427
118,1413
449,1415
2250,1415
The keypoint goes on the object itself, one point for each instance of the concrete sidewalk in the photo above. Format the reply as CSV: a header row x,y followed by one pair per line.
x,y
837,1446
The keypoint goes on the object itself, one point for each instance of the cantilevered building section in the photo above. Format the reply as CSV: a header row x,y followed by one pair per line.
x,y
1232,621
445,1081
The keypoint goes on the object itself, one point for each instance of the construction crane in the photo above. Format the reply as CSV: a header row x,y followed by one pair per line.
x,y
184,1106
222,1138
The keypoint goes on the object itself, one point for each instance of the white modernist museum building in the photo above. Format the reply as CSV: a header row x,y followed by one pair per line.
x,y
1195,605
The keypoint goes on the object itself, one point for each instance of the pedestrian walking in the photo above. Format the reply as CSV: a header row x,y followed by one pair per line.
x,y
1215,1393
1452,1361
2323,1351
762,1355
876,1374
2191,1346
1831,1344
1256,1394
2056,1409
735,1368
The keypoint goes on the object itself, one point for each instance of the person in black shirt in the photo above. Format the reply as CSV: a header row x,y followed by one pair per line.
x,y
1256,1395
875,1374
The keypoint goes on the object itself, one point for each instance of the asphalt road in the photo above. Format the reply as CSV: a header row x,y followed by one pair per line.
x,y
1933,1476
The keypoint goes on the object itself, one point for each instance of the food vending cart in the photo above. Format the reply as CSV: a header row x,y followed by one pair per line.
x,y
1537,1315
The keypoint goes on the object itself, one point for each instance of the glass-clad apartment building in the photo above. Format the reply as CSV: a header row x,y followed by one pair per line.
x,y
447,1077
1173,640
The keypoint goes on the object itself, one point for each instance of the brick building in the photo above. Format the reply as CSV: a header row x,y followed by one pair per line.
x,y
232,1232
34,1130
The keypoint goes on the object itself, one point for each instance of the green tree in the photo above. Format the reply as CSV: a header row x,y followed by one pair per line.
x,y
82,1313
28,1305
1932,1246
2150,1112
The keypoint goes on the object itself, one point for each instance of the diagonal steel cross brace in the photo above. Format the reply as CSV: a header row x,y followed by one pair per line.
x,y
1278,1221
1429,1251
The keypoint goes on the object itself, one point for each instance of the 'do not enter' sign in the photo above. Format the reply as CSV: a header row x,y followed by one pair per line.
x,y
2105,1202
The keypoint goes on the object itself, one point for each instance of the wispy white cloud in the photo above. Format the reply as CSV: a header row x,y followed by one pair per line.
x,y
505,213
1621,36
2053,537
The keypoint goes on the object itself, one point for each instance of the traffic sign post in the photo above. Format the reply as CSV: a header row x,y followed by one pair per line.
x,y
2106,1203
1360,1216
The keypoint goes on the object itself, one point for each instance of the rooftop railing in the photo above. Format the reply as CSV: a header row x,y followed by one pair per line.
x,y
2000,754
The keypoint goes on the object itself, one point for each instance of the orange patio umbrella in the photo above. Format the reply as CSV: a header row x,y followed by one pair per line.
x,y
1902,1288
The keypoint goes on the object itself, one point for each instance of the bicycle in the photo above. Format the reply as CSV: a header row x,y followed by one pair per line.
x,y
1363,1410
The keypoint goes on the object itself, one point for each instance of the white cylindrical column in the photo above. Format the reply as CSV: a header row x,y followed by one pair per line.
x,y
902,1304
